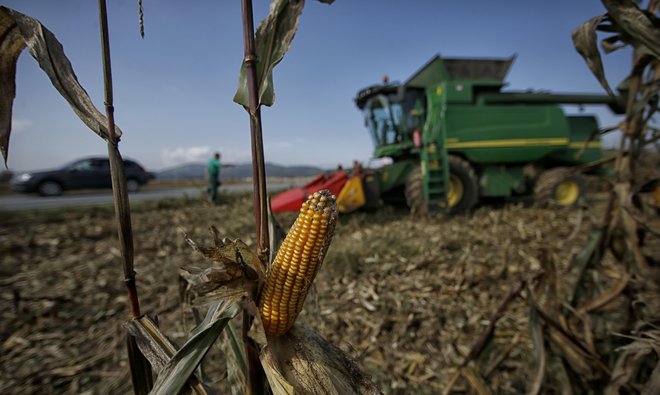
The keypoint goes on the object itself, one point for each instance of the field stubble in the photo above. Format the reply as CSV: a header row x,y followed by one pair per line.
x,y
405,297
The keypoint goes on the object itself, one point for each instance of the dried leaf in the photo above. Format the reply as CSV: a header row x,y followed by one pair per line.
x,y
641,26
156,347
141,371
606,296
237,271
584,40
18,31
232,254
631,359
653,385
576,358
278,383
313,366
580,263
612,43
476,382
627,365
557,369
452,382
538,342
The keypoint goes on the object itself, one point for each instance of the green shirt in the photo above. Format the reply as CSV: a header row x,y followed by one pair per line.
x,y
214,169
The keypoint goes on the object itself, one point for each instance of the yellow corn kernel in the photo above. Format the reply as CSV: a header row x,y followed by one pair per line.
x,y
297,262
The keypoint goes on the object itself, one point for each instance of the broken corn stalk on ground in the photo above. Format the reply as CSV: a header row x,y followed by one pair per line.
x,y
297,262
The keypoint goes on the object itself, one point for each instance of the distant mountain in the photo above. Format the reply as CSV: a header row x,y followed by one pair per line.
x,y
197,171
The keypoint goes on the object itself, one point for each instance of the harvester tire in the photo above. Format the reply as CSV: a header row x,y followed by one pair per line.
x,y
558,187
415,193
460,172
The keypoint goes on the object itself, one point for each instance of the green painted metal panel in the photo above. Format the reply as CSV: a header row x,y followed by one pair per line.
x,y
393,149
501,181
459,92
511,134
584,145
430,74
396,174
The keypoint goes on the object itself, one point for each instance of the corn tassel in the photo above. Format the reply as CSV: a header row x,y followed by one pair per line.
x,y
297,262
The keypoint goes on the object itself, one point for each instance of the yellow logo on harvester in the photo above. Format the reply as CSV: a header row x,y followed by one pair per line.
x,y
438,91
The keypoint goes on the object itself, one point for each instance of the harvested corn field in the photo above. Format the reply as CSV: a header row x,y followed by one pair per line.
x,y
409,299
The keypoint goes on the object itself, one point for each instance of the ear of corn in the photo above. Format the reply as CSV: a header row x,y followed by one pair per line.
x,y
297,262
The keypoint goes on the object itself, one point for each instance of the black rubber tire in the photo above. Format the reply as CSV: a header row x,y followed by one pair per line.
x,y
371,190
50,188
414,192
132,185
546,186
459,168
465,173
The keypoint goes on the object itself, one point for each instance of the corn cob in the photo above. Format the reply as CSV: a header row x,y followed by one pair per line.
x,y
297,262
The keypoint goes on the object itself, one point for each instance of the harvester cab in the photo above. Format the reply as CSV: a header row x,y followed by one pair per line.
x,y
395,113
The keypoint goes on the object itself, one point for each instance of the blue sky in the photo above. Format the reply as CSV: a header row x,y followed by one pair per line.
x,y
173,89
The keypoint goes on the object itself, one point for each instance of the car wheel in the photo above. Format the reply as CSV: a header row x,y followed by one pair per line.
x,y
50,188
132,185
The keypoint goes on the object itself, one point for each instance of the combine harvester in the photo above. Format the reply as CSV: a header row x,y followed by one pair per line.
x,y
453,136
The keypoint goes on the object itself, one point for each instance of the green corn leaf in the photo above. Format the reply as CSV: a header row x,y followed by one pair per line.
x,y
273,39
239,354
157,348
174,375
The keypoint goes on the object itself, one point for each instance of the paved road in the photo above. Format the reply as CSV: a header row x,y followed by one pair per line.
x,y
27,202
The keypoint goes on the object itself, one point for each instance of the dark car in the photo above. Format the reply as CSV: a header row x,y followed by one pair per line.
x,y
88,173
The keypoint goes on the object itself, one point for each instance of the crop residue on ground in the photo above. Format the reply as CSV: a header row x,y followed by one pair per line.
x,y
405,297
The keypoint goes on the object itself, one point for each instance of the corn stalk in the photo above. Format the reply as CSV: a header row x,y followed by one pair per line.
x,y
255,379
140,367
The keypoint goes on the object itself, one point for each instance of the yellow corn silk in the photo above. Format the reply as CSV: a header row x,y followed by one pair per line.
x,y
297,263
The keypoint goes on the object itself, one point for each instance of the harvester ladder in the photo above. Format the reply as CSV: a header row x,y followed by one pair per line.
x,y
437,172
434,159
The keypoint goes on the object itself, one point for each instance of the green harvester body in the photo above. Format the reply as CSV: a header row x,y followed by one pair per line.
x,y
456,108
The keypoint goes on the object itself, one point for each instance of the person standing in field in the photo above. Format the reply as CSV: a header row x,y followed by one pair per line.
x,y
213,169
